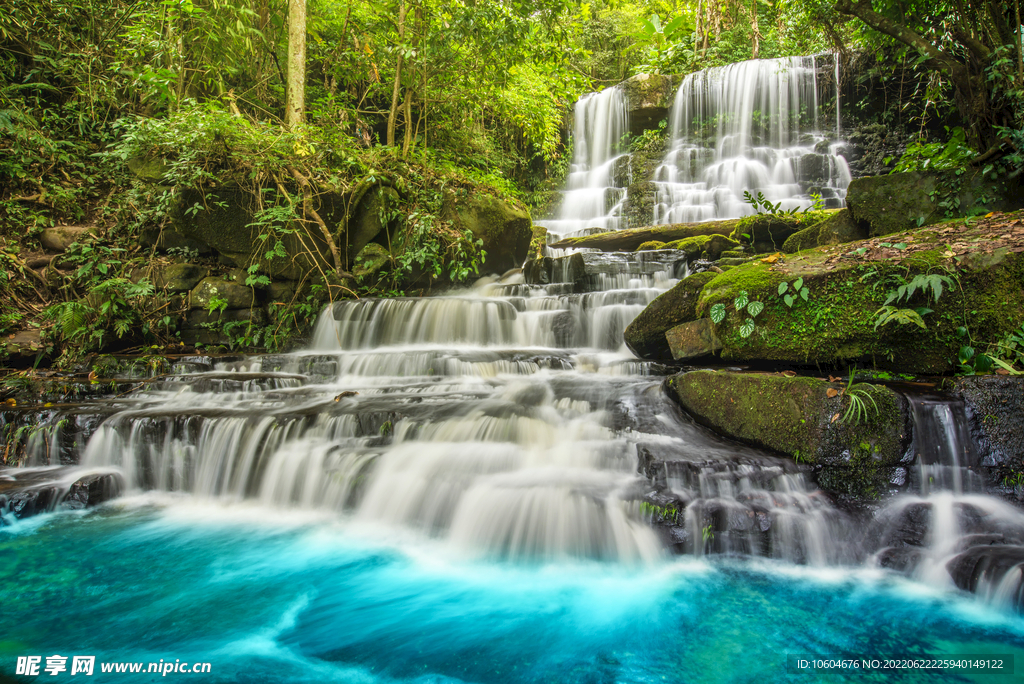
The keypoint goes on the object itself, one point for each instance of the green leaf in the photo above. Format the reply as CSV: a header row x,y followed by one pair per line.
x,y
805,293
741,301
798,283
789,299
754,308
783,287
718,313
966,354
747,328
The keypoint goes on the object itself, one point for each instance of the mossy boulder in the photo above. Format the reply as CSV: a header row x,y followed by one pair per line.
x,y
629,240
505,229
370,260
900,201
173,277
838,228
223,219
233,294
708,247
769,232
60,238
645,335
649,98
847,285
651,245
803,418
373,219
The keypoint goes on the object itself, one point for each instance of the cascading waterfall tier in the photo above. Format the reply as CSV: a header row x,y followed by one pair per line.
x,y
754,126
948,532
490,419
599,171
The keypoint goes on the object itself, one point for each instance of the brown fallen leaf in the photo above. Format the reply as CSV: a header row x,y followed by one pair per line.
x,y
772,258
830,392
832,378
789,374
1002,371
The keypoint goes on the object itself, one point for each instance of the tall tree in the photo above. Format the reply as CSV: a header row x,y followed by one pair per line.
x,y
959,41
295,107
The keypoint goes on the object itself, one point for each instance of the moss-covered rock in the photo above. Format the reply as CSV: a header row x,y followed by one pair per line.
x,y
223,220
233,294
900,201
370,260
836,229
629,240
173,277
708,247
797,417
60,238
769,232
645,335
693,340
653,244
373,219
847,285
649,98
505,230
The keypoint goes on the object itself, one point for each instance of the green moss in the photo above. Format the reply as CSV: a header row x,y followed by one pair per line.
x,y
796,417
652,244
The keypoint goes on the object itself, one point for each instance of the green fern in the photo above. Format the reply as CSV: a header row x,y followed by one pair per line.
x,y
932,282
892,314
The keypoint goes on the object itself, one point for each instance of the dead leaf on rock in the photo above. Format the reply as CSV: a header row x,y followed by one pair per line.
x,y
789,374
830,393
772,258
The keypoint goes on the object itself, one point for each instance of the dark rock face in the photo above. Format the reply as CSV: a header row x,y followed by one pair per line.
x,y
650,98
989,566
645,336
995,409
31,491
547,270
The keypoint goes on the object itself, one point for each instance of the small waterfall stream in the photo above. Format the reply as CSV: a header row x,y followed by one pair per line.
x,y
752,126
596,187
949,532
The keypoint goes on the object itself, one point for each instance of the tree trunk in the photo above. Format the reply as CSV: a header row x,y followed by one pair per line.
x,y
1020,47
396,89
295,107
757,31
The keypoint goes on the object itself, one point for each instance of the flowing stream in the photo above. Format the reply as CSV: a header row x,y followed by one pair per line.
x,y
480,487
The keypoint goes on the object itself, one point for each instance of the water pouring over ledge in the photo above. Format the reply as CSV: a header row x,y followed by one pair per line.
x,y
753,126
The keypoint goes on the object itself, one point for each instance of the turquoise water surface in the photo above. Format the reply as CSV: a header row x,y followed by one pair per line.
x,y
269,597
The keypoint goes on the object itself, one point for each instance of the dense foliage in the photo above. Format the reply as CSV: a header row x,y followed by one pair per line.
x,y
429,96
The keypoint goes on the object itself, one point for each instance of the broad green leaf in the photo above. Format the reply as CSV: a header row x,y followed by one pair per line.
x,y
718,313
747,328
741,301
798,283
789,300
783,287
805,293
754,308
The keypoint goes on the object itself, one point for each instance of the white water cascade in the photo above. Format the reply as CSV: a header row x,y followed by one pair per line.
x,y
595,190
752,126
949,533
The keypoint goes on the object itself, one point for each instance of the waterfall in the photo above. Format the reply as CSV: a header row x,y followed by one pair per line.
x,y
948,533
599,171
750,126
